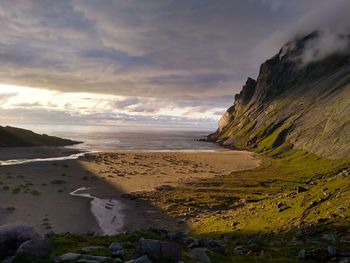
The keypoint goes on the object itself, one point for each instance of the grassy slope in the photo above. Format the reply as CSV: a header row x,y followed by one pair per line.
x,y
243,205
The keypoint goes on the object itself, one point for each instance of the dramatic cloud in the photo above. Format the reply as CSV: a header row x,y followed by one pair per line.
x,y
137,60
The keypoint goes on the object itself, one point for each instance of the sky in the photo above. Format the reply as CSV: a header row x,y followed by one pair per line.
x,y
170,63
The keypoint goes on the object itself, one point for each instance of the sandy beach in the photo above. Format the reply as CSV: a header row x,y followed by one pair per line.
x,y
104,187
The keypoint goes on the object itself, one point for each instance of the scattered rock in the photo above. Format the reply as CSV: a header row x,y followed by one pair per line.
x,y
13,235
36,247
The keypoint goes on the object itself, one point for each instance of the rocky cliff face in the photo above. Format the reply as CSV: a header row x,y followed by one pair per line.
x,y
293,103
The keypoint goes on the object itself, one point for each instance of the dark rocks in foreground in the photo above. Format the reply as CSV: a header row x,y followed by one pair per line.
x,y
18,240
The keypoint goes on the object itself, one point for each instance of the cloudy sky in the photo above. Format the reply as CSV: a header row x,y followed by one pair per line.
x,y
144,63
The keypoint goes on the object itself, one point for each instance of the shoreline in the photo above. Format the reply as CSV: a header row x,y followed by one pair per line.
x,y
40,192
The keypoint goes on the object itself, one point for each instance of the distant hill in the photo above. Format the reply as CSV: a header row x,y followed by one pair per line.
x,y
293,103
12,137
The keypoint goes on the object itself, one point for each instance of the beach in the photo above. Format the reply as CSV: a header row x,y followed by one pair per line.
x,y
98,192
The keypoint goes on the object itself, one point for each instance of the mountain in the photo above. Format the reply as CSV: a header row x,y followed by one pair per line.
x,y
300,100
12,137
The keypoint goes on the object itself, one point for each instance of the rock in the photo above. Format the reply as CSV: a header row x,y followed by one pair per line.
x,y
68,257
143,259
299,234
212,245
91,249
240,250
301,189
254,244
199,255
117,250
332,251
174,235
13,235
318,254
115,246
36,247
158,250
282,207
191,242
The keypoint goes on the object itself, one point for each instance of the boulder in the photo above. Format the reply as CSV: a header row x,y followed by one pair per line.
x,y
117,250
36,247
158,250
13,235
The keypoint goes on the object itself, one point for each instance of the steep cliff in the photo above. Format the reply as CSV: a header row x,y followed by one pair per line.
x,y
301,99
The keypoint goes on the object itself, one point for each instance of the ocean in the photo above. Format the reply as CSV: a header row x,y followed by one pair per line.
x,y
104,138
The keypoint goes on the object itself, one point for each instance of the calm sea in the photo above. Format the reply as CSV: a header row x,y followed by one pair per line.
x,y
99,138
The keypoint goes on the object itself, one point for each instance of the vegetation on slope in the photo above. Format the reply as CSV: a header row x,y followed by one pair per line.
x,y
13,137
295,193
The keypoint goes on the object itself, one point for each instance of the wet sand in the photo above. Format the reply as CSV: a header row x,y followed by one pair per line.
x,y
40,193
